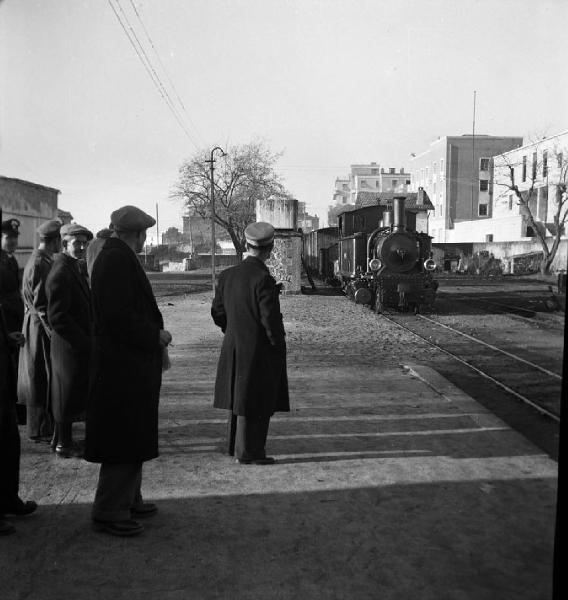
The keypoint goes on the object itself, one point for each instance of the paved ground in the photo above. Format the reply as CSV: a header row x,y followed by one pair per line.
x,y
390,484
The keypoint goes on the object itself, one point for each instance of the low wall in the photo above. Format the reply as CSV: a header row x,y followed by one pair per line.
x,y
285,263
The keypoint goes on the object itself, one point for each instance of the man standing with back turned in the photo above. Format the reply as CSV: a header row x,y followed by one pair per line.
x,y
122,409
251,375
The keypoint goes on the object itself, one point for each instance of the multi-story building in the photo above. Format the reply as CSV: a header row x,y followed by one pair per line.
x,y
369,177
539,170
455,171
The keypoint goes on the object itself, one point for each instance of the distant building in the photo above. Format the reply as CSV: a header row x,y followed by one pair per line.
x,y
196,233
30,203
172,236
455,171
369,177
306,222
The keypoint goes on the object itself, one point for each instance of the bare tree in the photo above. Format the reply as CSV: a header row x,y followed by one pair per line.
x,y
246,174
545,169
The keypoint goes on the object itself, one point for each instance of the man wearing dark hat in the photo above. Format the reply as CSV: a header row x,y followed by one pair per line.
x,y
69,316
10,296
95,247
34,365
251,375
129,341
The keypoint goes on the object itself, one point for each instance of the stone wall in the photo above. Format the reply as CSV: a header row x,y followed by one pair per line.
x,y
285,263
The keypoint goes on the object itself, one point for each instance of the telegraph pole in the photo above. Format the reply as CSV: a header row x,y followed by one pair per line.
x,y
211,162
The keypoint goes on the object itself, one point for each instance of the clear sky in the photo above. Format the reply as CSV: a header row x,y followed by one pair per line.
x,y
328,82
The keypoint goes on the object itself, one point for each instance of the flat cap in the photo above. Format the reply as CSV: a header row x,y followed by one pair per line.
x,y
73,229
259,235
49,229
10,227
131,218
103,234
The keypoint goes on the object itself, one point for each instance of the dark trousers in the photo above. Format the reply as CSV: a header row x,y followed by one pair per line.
x,y
250,438
9,459
118,491
39,422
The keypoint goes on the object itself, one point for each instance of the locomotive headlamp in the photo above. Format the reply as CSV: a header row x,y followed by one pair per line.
x,y
375,264
429,264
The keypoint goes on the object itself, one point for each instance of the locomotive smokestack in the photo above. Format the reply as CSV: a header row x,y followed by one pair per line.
x,y
398,208
387,218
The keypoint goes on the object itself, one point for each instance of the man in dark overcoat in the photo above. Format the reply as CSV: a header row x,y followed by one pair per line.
x,y
10,501
69,316
34,368
10,293
251,375
129,341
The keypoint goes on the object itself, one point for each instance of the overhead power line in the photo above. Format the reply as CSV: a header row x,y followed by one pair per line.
x,y
180,101
143,57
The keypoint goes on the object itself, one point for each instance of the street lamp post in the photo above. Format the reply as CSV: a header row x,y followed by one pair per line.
x,y
211,162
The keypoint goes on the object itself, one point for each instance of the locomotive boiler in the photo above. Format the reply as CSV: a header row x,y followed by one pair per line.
x,y
389,266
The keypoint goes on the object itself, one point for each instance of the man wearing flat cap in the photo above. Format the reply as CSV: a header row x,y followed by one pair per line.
x,y
34,368
95,247
122,410
69,317
251,374
10,295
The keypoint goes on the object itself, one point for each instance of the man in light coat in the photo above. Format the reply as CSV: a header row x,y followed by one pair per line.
x,y
34,370
129,342
251,374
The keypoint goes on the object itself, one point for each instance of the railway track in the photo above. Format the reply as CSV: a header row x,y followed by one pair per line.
x,y
533,384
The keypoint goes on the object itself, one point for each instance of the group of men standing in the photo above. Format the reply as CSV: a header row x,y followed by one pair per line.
x,y
84,340
91,345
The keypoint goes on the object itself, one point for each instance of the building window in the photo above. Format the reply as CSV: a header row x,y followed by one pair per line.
x,y
374,171
483,185
442,167
434,167
524,177
545,164
484,164
534,166
560,159
394,183
483,210
363,183
377,184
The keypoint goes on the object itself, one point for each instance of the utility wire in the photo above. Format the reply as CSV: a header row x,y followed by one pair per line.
x,y
155,79
151,42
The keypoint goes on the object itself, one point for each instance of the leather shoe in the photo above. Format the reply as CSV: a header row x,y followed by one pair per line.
x,y
6,528
141,511
267,460
23,509
72,451
126,528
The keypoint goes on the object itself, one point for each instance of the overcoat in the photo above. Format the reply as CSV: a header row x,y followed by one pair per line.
x,y
122,409
69,316
251,374
10,295
34,364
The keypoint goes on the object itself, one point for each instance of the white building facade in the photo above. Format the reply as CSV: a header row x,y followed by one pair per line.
x,y
456,173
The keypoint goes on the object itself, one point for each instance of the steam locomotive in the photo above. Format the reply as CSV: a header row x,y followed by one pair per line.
x,y
382,260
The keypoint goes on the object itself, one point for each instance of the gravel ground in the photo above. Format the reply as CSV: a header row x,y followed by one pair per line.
x,y
389,484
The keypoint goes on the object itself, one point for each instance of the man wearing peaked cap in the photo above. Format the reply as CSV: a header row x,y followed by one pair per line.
x,y
10,296
259,235
74,229
131,218
129,343
34,367
251,377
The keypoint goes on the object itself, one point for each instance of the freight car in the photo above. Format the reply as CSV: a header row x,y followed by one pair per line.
x,y
320,252
385,262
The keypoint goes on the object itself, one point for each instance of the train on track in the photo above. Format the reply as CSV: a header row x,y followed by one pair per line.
x,y
376,254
